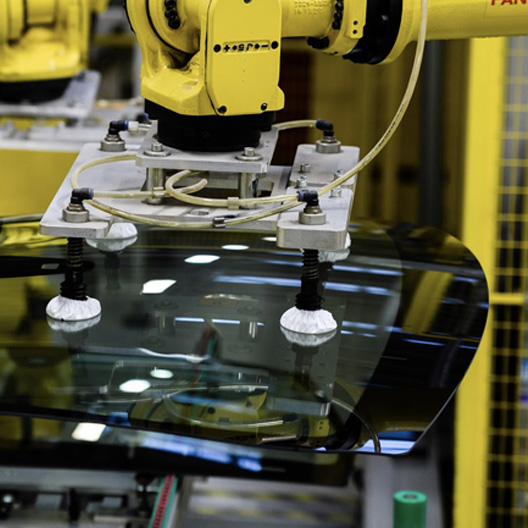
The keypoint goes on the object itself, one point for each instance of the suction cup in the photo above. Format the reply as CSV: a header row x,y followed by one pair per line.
x,y
120,236
310,322
63,309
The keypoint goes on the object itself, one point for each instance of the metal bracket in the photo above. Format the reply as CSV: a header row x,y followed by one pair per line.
x,y
319,169
76,103
330,236
176,159
127,176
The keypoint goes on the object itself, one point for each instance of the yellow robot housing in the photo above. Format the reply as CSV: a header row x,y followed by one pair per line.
x,y
43,44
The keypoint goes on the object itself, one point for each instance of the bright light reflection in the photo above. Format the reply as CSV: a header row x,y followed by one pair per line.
x,y
134,386
215,321
270,239
153,287
388,447
275,281
88,432
205,453
297,264
226,321
250,464
202,259
426,343
357,324
235,247
249,279
161,373
371,271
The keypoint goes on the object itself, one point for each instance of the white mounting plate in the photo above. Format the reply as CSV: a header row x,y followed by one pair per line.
x,y
99,224
127,176
76,103
330,236
323,166
209,161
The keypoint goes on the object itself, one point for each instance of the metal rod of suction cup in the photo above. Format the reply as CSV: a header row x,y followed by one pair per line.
x,y
73,287
309,298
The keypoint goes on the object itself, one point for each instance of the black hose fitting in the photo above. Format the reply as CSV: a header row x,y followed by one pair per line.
x,y
143,118
310,197
326,127
80,194
117,126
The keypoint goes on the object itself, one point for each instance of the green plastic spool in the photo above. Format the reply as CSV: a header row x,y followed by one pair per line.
x,y
410,508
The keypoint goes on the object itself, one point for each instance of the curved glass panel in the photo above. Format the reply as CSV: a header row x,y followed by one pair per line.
x,y
189,341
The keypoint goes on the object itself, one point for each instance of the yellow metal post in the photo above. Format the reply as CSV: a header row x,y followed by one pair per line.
x,y
479,232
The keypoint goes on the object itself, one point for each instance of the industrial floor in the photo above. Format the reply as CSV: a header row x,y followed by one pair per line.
x,y
214,503
225,503
229,503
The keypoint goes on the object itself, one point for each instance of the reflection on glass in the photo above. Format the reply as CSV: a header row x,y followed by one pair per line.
x,y
235,247
88,432
155,287
207,359
201,259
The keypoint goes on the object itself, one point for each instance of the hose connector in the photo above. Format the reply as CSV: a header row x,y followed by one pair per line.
x,y
308,196
328,144
113,142
326,126
117,126
80,194
75,212
312,213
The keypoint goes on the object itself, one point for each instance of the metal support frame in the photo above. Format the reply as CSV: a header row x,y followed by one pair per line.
x,y
76,103
223,170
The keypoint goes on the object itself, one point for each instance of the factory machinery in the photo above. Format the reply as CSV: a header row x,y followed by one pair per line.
x,y
210,81
44,46
48,108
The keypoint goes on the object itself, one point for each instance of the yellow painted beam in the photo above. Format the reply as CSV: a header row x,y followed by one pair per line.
x,y
479,232
510,299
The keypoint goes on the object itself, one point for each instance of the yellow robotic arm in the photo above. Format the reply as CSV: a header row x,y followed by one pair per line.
x,y
459,19
207,58
44,41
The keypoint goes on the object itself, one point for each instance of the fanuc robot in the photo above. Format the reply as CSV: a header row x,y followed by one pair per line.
x,y
210,78
43,47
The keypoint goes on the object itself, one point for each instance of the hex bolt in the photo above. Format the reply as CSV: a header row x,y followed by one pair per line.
x,y
302,182
157,150
249,152
112,143
305,168
337,192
